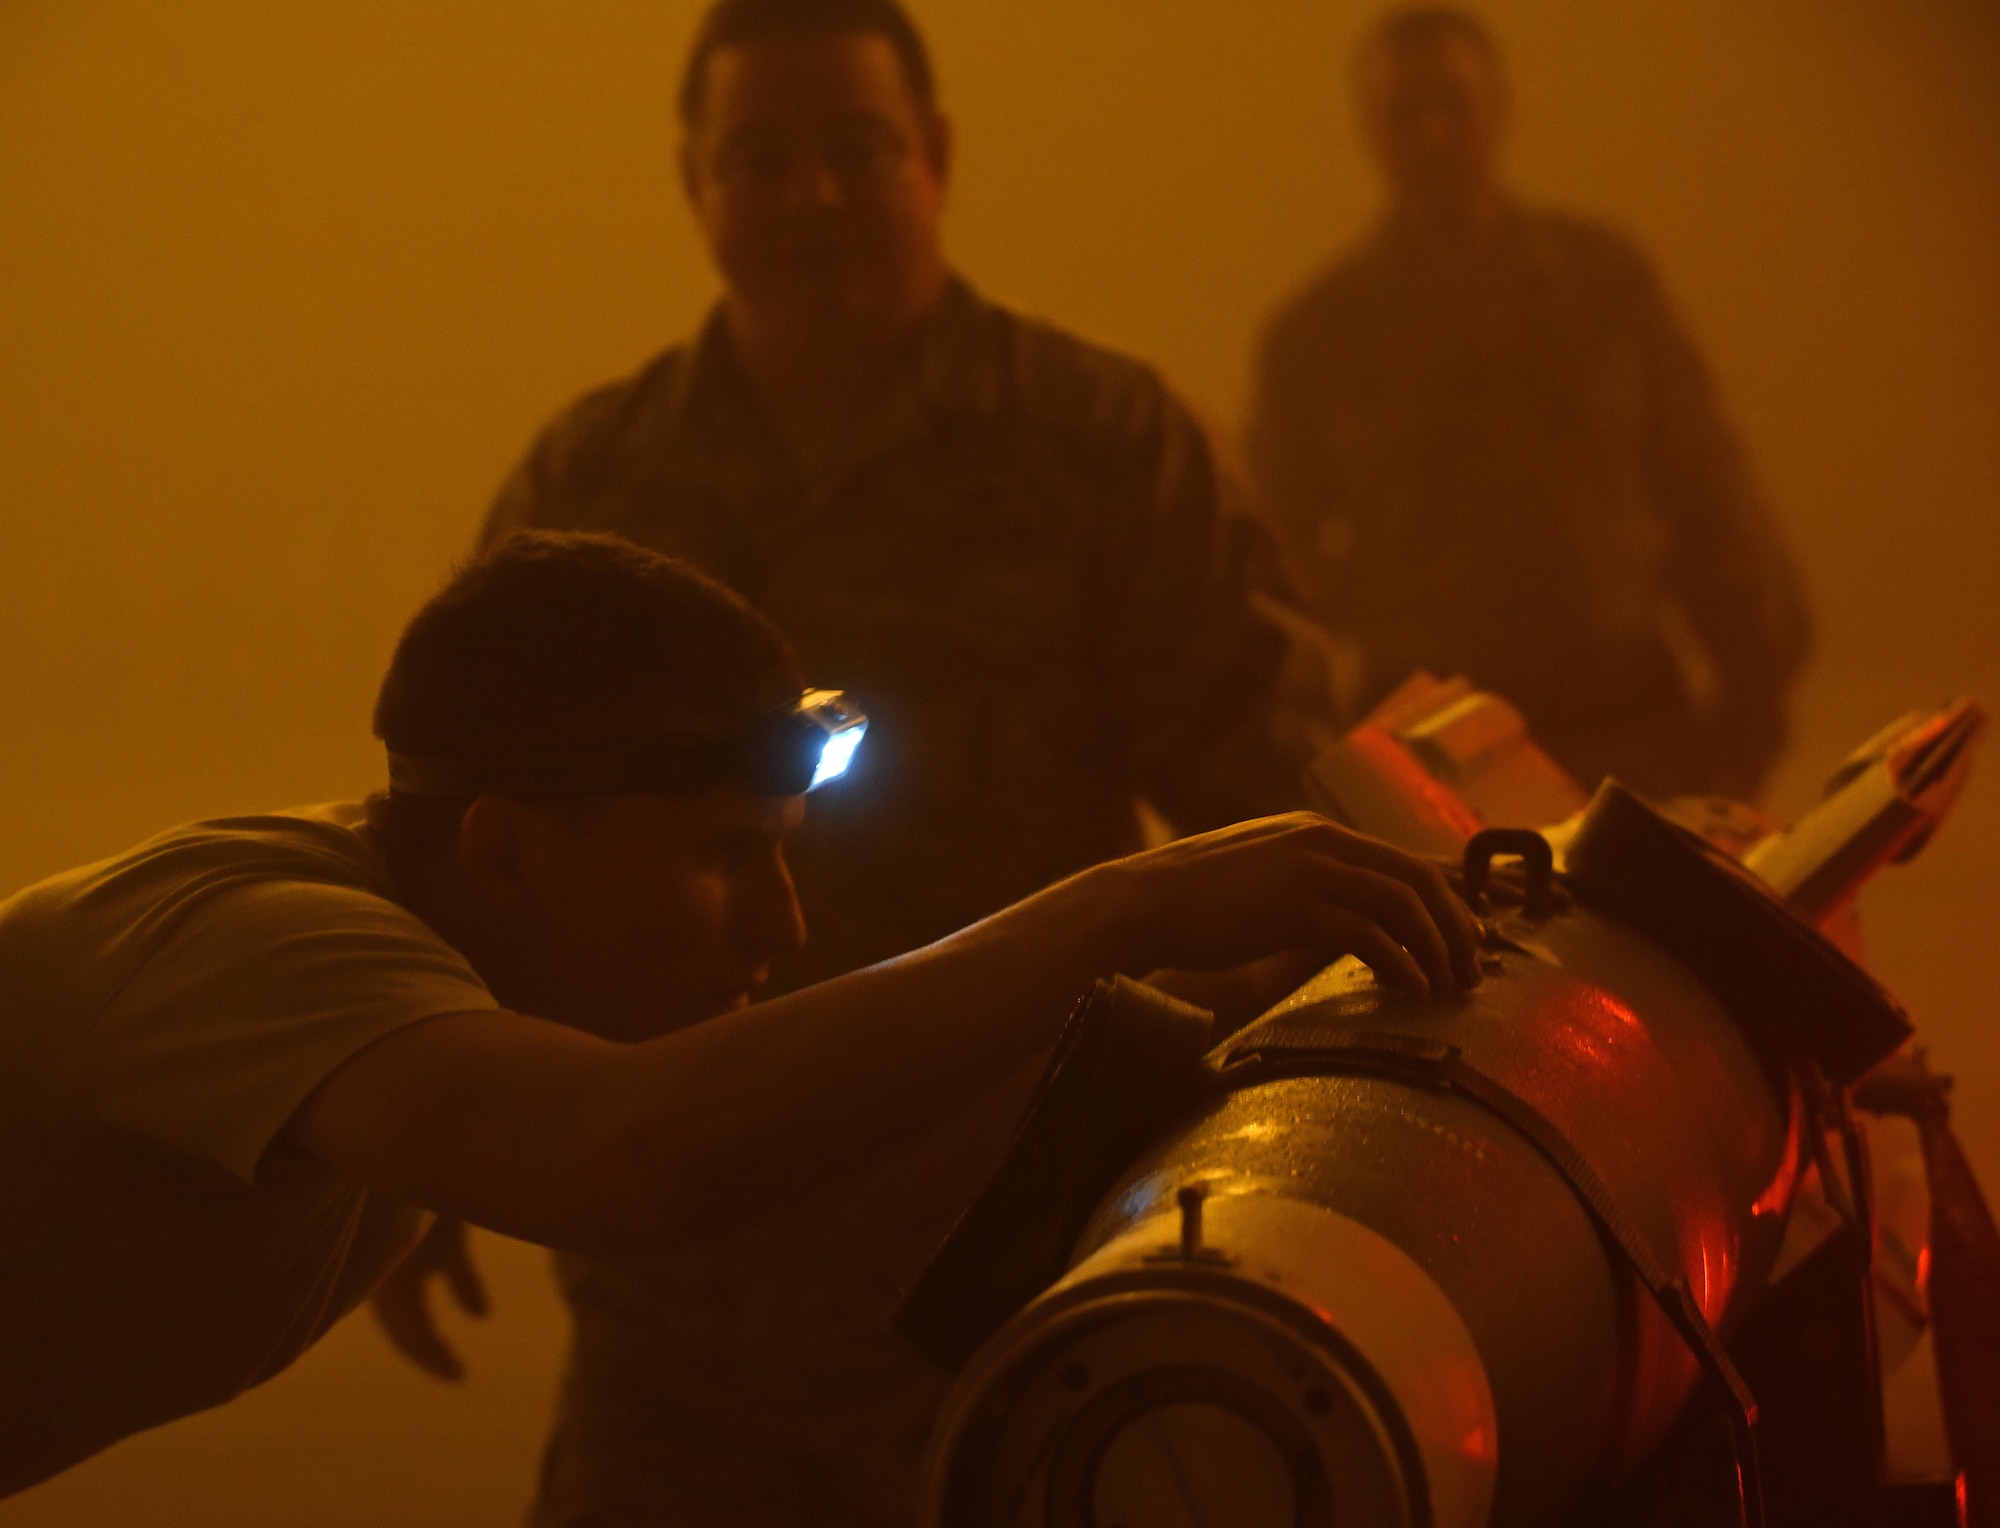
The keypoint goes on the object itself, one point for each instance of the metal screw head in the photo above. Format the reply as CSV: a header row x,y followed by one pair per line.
x,y
1190,1198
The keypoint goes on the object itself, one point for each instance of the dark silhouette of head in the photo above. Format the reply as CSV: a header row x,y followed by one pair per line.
x,y
555,641
733,23
624,914
1434,105
815,160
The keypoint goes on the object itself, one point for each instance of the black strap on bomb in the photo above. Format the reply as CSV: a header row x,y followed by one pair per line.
x,y
1128,1064
1307,1050
1964,1285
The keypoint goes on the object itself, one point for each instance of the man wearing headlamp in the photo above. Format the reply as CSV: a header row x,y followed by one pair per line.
x,y
1034,567
241,1062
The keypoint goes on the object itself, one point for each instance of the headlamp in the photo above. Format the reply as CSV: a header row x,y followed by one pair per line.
x,y
785,752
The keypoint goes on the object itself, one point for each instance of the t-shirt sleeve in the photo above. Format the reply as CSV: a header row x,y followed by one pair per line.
x,y
256,995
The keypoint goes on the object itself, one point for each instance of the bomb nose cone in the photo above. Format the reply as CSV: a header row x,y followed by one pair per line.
x,y
1194,1464
1287,1367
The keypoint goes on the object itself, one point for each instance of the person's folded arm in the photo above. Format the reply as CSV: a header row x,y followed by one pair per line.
x,y
550,1134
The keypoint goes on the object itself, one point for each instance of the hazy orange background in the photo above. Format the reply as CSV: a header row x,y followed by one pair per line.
x,y
285,286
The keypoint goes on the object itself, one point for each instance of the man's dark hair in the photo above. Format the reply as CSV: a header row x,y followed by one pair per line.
x,y
1423,25
731,23
560,640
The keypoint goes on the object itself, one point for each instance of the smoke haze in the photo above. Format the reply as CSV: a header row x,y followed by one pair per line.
x,y
285,289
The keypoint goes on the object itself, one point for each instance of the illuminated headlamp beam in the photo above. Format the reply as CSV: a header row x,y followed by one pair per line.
x,y
844,725
837,755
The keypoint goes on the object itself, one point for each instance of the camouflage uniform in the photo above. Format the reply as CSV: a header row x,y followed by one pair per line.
x,y
1030,569
1523,475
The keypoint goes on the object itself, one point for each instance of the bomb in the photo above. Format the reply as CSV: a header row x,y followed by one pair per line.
x,y
1381,1260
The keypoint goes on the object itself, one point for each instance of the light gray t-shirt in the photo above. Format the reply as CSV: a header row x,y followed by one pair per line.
x,y
162,1015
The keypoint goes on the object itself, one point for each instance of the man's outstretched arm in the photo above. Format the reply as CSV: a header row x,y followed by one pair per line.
x,y
550,1134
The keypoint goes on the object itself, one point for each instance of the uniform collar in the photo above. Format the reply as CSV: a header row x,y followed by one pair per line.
x,y
953,366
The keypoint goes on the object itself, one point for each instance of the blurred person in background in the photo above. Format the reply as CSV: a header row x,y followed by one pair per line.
x,y
1023,557
1490,449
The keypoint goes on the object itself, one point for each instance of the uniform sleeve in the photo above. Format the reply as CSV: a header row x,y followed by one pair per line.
x,y
1728,566
512,508
568,472
524,500
256,996
1217,684
1297,483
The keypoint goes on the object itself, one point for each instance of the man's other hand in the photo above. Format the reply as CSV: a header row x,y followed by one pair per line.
x,y
402,1300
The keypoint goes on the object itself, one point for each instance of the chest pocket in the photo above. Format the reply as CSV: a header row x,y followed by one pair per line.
x,y
980,570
